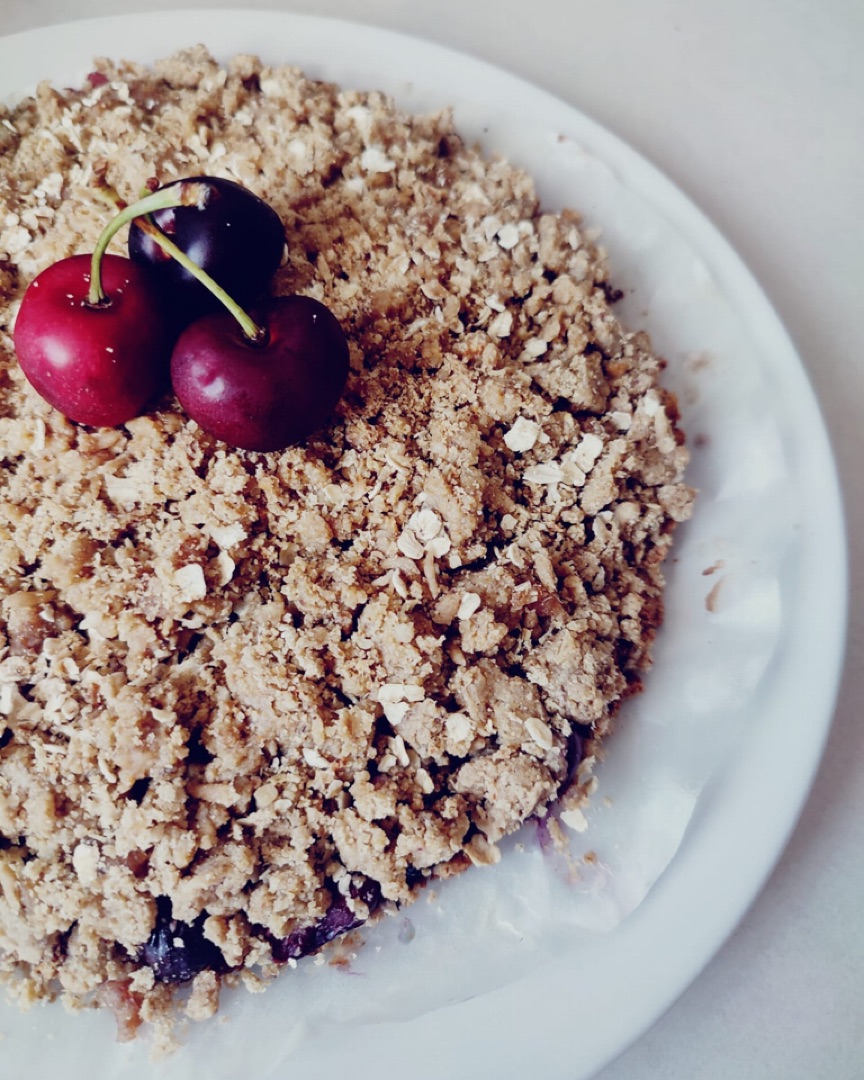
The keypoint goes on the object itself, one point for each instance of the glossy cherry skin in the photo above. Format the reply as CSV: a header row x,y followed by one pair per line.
x,y
268,396
97,365
237,238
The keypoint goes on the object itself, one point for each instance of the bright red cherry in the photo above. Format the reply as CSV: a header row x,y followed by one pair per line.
x,y
262,396
99,364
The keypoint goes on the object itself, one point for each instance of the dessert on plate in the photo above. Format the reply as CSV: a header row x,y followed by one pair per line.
x,y
251,699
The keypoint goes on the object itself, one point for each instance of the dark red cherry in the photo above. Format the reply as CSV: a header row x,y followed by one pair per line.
x,y
98,364
262,396
237,238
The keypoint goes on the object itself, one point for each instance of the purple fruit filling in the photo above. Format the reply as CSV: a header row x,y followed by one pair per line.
x,y
579,737
177,951
338,920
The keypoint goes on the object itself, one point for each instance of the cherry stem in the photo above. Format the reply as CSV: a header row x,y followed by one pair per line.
x,y
190,194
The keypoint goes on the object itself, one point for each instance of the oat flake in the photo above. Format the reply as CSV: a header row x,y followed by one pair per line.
x,y
522,436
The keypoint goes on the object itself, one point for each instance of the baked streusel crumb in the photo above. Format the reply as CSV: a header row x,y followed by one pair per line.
x,y
247,700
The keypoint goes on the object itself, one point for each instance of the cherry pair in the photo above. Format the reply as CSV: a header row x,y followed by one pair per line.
x,y
97,336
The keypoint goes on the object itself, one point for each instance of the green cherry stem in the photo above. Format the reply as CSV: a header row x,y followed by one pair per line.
x,y
191,194
156,201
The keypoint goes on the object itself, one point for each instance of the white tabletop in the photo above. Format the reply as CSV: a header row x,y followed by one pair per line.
x,y
755,108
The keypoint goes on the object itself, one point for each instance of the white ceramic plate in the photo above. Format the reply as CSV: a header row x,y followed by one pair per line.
x,y
563,1019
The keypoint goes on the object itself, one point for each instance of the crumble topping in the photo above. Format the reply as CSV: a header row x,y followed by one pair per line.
x,y
247,699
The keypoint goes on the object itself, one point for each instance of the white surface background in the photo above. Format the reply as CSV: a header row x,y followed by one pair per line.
x,y
755,108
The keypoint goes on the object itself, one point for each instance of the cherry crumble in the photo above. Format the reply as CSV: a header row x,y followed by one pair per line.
x,y
250,699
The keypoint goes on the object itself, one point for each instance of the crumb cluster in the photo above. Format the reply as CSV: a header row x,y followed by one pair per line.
x,y
246,684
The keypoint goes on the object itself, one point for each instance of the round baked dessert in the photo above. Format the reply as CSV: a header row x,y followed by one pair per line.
x,y
249,700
